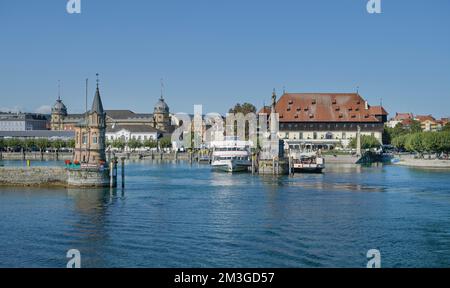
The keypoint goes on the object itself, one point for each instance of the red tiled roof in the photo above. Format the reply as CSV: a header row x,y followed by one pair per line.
x,y
265,110
407,122
423,118
403,116
323,107
377,110
444,121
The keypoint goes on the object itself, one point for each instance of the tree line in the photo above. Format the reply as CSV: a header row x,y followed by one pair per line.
x,y
413,139
424,142
41,144
134,144
29,145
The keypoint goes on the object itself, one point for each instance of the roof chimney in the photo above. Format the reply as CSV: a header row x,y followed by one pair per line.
x,y
366,105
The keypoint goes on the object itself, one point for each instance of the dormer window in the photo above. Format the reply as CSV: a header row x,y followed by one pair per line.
x,y
334,101
306,109
341,116
296,116
311,115
299,109
288,108
350,109
314,102
353,116
338,108
291,102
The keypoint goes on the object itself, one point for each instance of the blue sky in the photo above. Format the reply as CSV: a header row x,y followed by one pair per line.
x,y
217,53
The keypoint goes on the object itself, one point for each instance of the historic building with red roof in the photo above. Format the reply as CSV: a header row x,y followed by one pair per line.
x,y
326,120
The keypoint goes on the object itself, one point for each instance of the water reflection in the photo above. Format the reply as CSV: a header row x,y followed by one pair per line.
x,y
89,223
181,215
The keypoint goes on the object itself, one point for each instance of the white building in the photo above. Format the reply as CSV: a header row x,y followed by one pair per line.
x,y
23,121
128,132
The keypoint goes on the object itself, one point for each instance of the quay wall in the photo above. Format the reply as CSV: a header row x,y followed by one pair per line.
x,y
33,176
36,156
340,159
55,176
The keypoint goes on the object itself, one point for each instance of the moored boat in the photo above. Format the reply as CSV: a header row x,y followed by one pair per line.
x,y
231,155
308,163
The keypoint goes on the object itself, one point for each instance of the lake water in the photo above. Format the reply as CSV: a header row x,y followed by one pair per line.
x,y
177,215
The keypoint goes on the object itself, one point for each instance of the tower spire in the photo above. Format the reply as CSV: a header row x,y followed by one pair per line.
x,y
274,100
162,89
97,79
59,90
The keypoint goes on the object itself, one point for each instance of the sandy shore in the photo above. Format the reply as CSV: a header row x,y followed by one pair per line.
x,y
424,163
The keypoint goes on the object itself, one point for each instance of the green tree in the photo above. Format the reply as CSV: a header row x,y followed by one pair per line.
x,y
446,128
431,142
399,141
133,144
70,143
391,133
245,108
28,144
444,142
58,144
415,127
150,143
119,143
165,142
414,143
14,143
2,146
42,144
367,142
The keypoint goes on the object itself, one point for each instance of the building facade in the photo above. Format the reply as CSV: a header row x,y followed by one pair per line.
x,y
23,121
326,120
160,119
428,123
400,118
90,135
127,132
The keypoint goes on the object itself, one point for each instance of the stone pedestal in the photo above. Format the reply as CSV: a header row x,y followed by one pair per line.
x,y
91,177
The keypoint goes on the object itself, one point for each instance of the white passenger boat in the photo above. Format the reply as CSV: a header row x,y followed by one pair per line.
x,y
231,155
308,163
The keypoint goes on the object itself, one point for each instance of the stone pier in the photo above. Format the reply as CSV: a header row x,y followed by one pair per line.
x,y
56,176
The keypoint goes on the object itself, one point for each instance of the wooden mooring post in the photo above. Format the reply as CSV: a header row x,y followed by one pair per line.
x,y
291,166
111,174
253,163
123,171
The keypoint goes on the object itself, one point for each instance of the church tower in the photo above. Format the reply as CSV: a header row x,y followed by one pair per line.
x,y
90,134
161,115
59,112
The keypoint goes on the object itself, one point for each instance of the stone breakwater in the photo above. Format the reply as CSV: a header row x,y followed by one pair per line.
x,y
33,176
54,176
